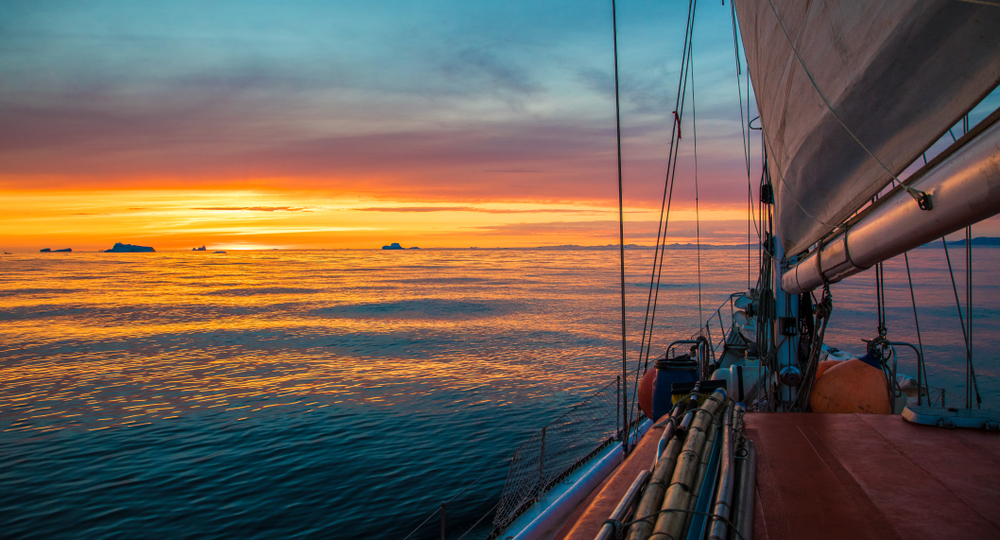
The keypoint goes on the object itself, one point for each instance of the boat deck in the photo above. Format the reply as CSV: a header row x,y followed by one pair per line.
x,y
835,476
872,476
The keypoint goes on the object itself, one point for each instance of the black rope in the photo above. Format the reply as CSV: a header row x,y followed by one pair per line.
x,y
697,211
743,131
621,213
661,230
921,366
668,195
961,319
971,375
824,308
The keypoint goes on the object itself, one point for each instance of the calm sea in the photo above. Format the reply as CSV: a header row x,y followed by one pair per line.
x,y
345,394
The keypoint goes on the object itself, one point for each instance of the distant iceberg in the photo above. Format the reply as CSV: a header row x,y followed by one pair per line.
x,y
129,248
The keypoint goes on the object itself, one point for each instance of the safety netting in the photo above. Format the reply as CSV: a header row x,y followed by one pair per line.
x,y
557,450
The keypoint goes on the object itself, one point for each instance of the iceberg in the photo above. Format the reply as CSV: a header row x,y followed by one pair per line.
x,y
129,248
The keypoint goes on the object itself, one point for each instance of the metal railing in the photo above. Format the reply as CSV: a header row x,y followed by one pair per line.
x,y
546,458
716,327
555,451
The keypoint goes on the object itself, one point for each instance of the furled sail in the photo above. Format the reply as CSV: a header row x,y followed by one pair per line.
x,y
851,91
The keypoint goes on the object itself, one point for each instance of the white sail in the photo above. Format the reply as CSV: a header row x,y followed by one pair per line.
x,y
851,91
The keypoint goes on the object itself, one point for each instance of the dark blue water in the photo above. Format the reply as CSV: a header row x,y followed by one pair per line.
x,y
340,394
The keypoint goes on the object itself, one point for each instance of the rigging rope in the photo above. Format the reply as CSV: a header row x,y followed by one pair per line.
x,y
970,372
665,204
652,297
823,311
697,210
743,131
621,211
965,335
921,366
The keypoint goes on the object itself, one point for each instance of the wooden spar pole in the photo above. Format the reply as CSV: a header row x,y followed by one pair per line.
x,y
684,484
663,471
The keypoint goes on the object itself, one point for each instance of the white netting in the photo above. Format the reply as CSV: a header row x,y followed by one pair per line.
x,y
555,451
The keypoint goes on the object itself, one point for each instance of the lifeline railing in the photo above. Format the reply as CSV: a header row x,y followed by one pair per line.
x,y
552,453
716,327
547,457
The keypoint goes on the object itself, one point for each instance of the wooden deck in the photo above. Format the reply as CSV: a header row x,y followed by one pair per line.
x,y
865,476
837,476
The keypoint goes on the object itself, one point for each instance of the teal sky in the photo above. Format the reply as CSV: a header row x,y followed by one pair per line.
x,y
438,100
390,103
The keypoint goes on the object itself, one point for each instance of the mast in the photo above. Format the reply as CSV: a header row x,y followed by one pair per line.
x,y
785,333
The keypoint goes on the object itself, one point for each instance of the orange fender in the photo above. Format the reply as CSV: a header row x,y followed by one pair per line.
x,y
851,386
825,365
646,393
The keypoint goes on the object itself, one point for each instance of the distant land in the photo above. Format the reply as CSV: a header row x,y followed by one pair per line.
x,y
637,246
978,241
981,241
49,250
129,248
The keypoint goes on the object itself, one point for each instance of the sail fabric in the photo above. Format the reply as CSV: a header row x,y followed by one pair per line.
x,y
838,82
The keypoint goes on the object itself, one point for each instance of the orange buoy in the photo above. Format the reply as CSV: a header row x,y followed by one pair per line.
x,y
646,393
851,386
825,365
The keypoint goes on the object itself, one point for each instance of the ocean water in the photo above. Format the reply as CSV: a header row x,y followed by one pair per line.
x,y
345,394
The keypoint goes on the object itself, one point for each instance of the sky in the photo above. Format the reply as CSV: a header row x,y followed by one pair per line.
x,y
354,124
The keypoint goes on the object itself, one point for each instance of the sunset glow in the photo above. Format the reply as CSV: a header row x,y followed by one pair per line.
x,y
184,219
308,125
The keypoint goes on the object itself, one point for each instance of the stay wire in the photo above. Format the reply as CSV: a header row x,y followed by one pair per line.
x,y
681,100
621,211
668,194
667,189
671,178
961,317
921,367
697,211
743,132
968,314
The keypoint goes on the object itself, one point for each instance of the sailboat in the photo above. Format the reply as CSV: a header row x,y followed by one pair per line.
x,y
764,431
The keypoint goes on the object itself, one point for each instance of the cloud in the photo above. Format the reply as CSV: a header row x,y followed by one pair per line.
x,y
472,209
720,231
488,72
257,208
